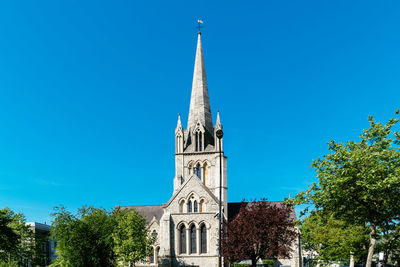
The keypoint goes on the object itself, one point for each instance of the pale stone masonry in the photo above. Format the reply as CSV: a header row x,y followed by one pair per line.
x,y
187,225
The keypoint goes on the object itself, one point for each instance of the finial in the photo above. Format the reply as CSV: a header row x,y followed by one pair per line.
x,y
199,25
179,124
218,122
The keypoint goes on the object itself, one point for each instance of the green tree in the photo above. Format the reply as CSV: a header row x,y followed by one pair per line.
x,y
132,240
84,239
333,239
389,243
17,240
97,237
9,239
359,181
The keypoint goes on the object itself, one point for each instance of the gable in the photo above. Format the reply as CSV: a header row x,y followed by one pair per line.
x,y
192,185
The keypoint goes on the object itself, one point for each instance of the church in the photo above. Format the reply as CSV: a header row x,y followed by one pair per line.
x,y
186,227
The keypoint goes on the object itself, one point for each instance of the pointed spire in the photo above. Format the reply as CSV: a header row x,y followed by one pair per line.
x,y
179,124
218,122
199,102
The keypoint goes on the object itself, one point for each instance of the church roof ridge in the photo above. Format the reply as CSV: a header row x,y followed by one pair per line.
x,y
140,206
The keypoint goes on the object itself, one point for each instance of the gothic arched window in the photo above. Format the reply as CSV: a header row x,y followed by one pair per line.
x,y
181,206
151,255
200,142
202,207
195,207
156,254
206,178
203,239
154,235
189,206
198,170
193,239
197,141
182,239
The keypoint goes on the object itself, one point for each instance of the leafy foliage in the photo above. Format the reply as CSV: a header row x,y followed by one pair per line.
x,y
260,230
333,239
18,244
389,243
131,237
96,237
359,181
84,239
9,239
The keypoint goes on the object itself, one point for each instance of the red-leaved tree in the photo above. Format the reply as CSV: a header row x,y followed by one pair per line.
x,y
260,230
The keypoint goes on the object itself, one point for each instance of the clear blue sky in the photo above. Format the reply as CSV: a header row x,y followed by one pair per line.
x,y
90,92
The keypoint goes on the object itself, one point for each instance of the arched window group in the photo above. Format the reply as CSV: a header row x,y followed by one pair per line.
x,y
188,243
201,169
198,140
192,204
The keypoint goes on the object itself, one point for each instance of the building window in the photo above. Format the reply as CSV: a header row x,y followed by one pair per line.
x,y
202,207
203,236
195,206
200,142
206,175
182,241
189,206
156,254
197,141
181,206
154,235
198,170
193,239
151,255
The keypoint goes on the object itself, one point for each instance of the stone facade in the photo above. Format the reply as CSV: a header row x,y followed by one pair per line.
x,y
187,225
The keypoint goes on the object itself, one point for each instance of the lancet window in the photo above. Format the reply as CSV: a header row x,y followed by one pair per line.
x,y
190,206
202,207
195,206
198,170
203,239
193,240
181,204
151,255
198,140
182,241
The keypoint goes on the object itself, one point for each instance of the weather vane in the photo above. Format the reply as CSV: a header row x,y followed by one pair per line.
x,y
199,24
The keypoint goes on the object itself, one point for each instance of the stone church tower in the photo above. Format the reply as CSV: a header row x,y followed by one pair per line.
x,y
186,227
197,147
191,215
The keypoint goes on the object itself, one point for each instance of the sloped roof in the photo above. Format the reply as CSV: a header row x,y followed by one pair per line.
x,y
148,211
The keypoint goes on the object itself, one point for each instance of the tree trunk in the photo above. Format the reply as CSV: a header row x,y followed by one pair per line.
x,y
253,262
372,242
351,259
385,258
